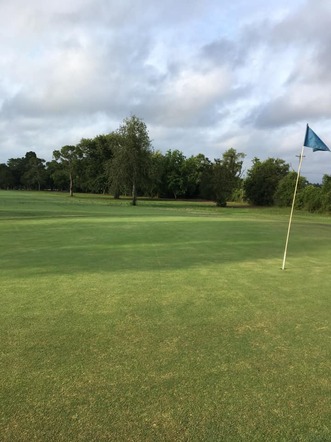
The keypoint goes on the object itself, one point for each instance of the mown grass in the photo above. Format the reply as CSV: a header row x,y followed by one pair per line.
x,y
169,321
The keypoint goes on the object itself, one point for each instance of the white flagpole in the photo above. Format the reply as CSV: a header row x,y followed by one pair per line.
x,y
292,209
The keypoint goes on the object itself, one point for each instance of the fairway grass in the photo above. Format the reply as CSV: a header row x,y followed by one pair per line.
x,y
168,321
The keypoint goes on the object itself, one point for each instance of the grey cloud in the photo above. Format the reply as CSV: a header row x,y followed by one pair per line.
x,y
284,111
306,23
274,114
237,51
145,15
190,69
307,31
221,52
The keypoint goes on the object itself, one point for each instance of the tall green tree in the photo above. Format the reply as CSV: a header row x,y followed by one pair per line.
x,y
34,176
174,174
17,169
227,175
69,157
57,176
6,177
97,152
130,164
153,186
28,172
262,180
195,167
206,188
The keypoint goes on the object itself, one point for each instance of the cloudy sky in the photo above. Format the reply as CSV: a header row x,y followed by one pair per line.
x,y
204,75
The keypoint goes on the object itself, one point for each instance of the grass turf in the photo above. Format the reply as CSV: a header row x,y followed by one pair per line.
x,y
161,322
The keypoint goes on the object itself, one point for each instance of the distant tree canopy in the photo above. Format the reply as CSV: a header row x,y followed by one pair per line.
x,y
262,180
129,167
124,162
27,172
69,157
285,189
7,180
96,153
226,175
316,198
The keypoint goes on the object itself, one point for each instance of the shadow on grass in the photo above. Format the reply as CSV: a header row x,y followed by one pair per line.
x,y
58,235
32,205
159,245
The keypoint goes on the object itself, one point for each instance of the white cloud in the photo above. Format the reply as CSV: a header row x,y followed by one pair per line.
x,y
204,76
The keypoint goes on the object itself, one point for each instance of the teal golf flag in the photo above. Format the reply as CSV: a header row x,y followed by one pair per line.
x,y
312,140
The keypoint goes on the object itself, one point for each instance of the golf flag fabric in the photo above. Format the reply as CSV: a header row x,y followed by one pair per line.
x,y
312,140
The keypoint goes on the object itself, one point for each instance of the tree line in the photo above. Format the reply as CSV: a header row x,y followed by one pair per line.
x,y
123,162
